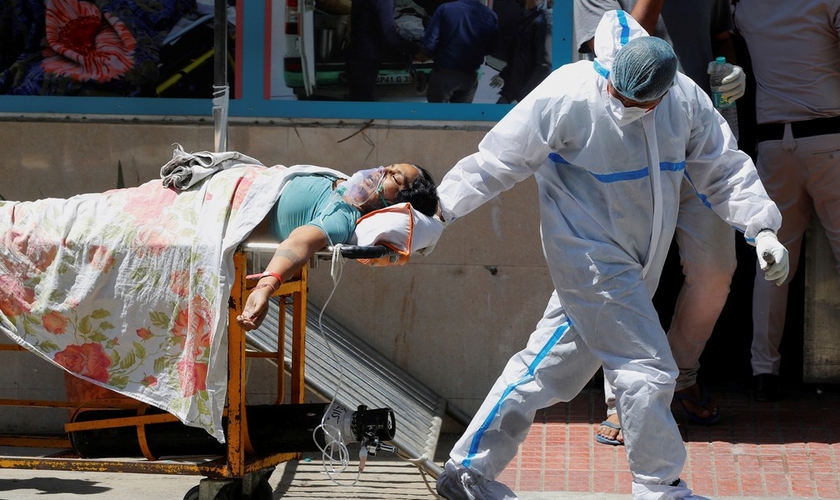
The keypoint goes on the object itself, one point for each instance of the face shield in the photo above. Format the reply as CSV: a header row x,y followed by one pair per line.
x,y
363,187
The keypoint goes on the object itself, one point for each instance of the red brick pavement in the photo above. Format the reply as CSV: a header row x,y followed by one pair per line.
x,y
787,448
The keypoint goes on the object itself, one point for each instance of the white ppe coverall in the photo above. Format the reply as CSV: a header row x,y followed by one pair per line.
x,y
609,198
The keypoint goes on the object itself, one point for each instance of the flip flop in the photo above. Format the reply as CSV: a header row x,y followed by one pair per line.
x,y
603,440
702,402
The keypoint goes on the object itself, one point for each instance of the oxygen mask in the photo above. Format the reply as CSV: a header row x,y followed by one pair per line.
x,y
363,186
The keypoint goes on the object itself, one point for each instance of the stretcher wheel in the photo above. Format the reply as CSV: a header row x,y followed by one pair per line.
x,y
262,491
233,491
193,494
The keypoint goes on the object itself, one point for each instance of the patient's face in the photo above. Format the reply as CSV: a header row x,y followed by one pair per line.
x,y
397,177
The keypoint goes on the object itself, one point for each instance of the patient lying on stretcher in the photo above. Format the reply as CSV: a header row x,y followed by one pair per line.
x,y
128,289
317,210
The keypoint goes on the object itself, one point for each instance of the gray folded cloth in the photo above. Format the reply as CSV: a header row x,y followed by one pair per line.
x,y
185,170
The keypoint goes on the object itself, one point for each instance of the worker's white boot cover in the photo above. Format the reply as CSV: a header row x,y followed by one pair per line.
x,y
460,483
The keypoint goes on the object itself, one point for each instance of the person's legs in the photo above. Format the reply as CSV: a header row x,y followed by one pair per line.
x,y
446,85
707,253
361,79
802,177
610,319
625,334
553,367
440,86
782,168
638,364
467,87
823,184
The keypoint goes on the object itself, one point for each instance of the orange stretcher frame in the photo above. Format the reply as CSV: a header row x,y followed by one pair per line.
x,y
239,459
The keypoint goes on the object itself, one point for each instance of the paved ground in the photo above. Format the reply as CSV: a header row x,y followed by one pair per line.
x,y
382,480
759,451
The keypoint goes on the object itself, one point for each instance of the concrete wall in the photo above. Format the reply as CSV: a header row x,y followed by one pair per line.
x,y
821,350
451,319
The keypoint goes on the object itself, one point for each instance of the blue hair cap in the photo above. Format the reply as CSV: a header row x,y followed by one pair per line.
x,y
644,69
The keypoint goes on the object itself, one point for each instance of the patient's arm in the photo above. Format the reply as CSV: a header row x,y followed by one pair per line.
x,y
292,254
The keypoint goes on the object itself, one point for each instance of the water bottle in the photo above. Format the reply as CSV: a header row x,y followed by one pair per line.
x,y
726,108
719,71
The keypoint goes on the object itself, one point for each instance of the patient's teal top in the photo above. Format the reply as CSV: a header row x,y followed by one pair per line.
x,y
310,199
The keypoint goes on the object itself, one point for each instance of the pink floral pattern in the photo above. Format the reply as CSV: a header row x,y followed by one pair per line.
x,y
192,326
146,202
131,292
101,258
192,376
242,190
145,333
55,322
15,298
88,360
179,283
39,253
149,381
84,44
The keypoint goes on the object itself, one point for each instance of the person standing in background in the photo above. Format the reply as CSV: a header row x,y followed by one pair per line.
x,y
459,36
529,58
373,36
698,32
798,133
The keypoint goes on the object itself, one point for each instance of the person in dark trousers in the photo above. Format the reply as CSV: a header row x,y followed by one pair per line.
x,y
373,37
458,37
529,58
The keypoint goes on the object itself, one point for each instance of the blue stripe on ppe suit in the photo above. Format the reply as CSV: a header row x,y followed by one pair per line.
x,y
558,333
642,172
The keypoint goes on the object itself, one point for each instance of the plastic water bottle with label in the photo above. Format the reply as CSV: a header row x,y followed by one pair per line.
x,y
726,108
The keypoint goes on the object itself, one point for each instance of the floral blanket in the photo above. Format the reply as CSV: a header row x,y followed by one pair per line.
x,y
128,289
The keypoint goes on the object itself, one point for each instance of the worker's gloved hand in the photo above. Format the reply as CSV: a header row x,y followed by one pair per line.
x,y
772,257
497,81
734,84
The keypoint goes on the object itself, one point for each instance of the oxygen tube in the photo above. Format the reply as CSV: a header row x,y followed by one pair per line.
x,y
340,426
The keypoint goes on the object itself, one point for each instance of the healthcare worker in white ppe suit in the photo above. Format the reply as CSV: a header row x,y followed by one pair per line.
x,y
609,142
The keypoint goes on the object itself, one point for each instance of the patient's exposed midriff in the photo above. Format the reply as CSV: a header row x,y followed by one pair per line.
x,y
261,233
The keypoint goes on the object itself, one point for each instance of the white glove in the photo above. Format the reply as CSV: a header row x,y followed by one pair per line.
x,y
772,257
497,81
734,84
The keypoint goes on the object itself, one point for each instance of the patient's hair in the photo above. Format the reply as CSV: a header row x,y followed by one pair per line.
x,y
422,193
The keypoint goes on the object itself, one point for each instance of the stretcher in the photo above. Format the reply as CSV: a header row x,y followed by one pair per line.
x,y
136,291
238,471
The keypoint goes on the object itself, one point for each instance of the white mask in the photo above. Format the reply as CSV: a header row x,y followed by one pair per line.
x,y
362,186
623,114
